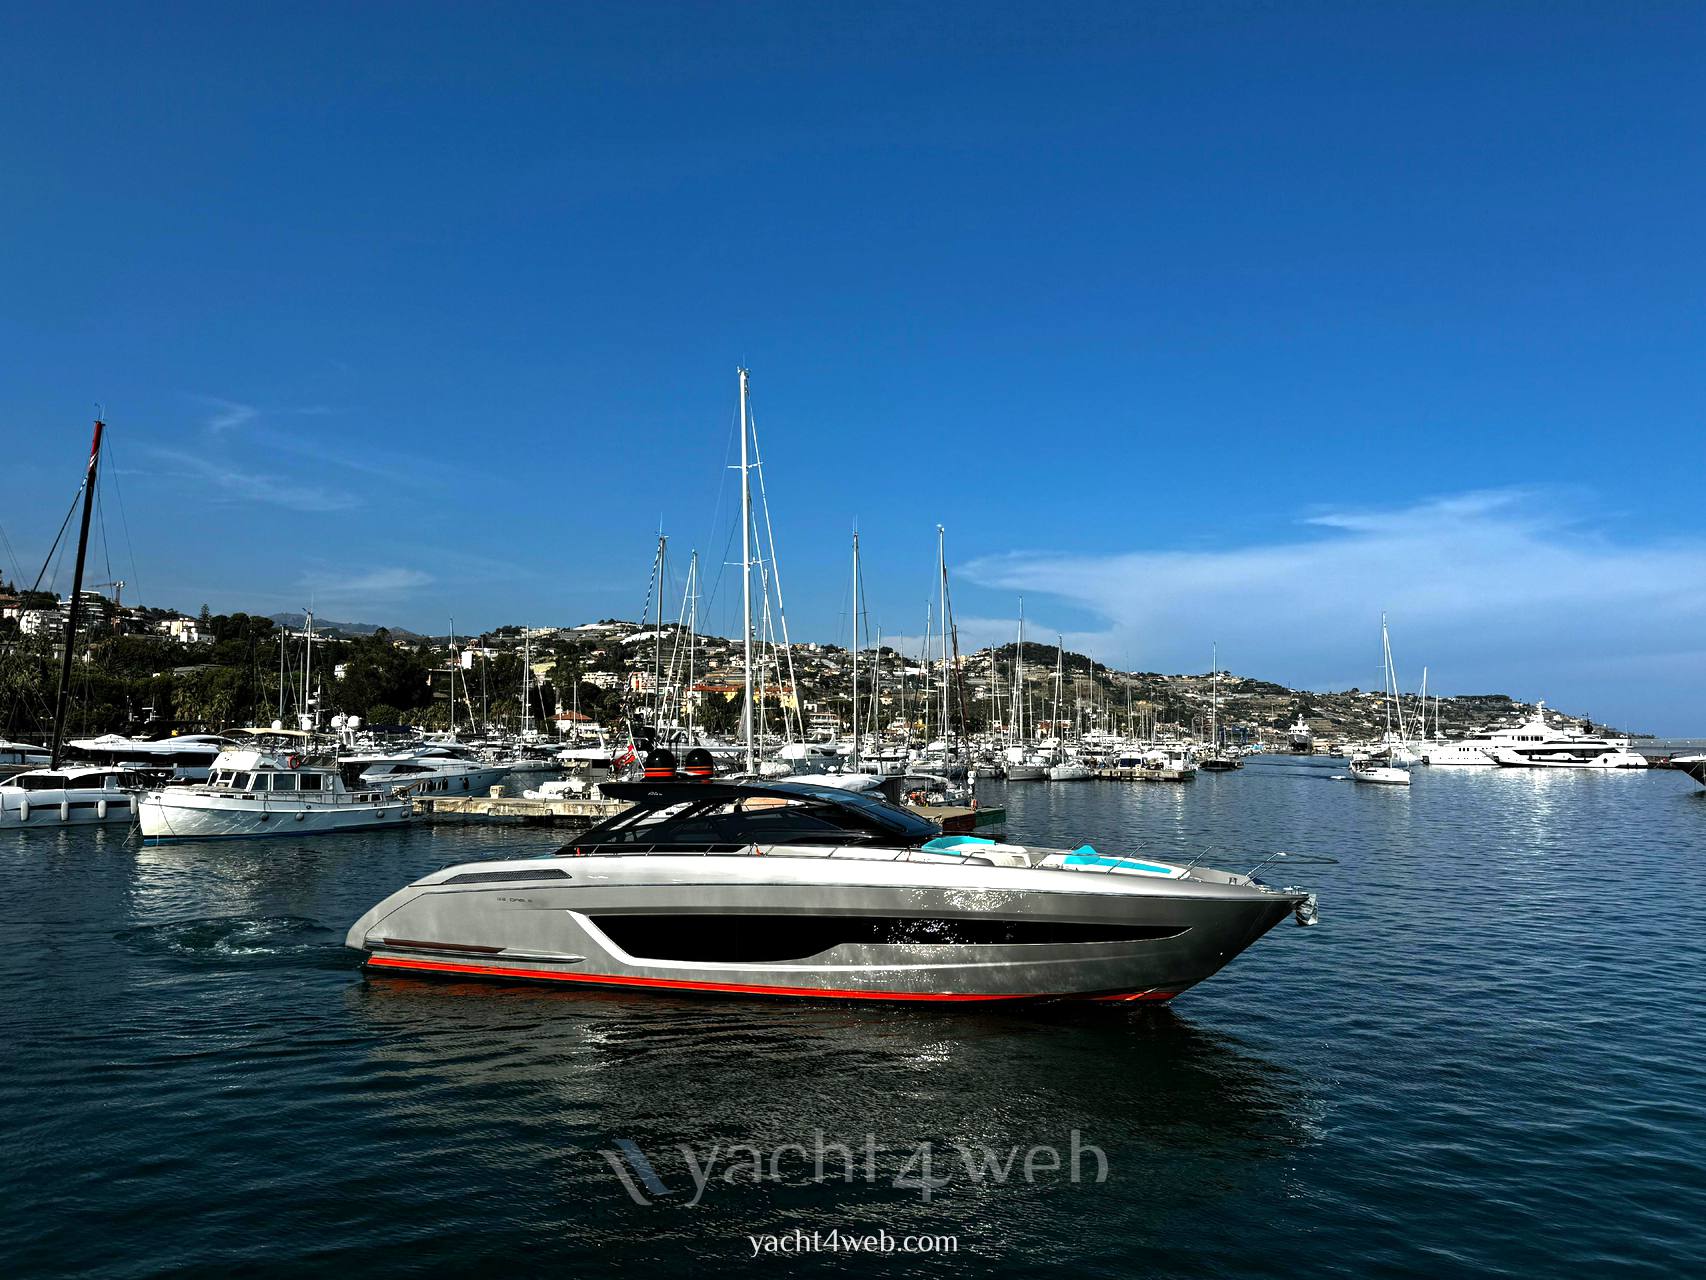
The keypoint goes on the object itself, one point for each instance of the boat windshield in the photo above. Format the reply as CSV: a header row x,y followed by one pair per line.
x,y
733,817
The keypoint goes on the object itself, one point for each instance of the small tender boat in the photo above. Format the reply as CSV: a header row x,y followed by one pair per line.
x,y
790,889
72,795
260,792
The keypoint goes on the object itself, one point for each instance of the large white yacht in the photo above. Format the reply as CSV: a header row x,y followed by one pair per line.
x,y
71,795
1301,738
1534,742
185,758
259,792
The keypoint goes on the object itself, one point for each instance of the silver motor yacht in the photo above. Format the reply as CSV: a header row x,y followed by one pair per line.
x,y
793,889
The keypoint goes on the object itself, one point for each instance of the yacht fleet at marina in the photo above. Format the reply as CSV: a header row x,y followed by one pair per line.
x,y
766,866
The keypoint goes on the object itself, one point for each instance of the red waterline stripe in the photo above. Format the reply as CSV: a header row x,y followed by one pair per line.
x,y
1137,995
495,971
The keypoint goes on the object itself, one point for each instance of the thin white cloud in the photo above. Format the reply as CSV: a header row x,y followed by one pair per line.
x,y
220,481
1502,590
383,581
226,415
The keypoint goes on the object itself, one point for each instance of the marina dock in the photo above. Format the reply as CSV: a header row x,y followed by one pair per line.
x,y
1141,773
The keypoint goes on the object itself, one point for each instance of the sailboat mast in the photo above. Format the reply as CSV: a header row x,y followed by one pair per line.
x,y
877,690
64,695
308,706
1214,723
746,582
692,634
526,671
942,583
855,706
657,636
1019,679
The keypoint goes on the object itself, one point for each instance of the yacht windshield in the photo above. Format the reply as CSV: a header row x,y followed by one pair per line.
x,y
709,815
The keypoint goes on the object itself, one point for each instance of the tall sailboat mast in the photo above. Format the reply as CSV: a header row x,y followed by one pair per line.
x,y
746,583
526,673
1214,720
855,707
692,636
64,695
308,707
1019,680
942,584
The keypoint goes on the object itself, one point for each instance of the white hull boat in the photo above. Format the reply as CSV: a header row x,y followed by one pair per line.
x,y
69,796
263,793
1366,770
852,899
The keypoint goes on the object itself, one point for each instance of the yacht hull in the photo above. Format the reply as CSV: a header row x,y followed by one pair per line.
x,y
602,920
69,807
185,815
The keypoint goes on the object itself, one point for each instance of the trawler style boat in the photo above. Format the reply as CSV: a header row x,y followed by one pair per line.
x,y
789,889
71,795
260,792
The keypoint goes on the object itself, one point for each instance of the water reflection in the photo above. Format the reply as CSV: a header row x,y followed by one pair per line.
x,y
1145,1086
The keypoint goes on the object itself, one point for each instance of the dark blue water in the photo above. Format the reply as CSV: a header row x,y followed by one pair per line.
x,y
1487,1059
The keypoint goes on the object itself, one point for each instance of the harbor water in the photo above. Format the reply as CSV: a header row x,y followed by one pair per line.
x,y
1488,1059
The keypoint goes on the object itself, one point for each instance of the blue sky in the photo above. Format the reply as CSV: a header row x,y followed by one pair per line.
x,y
1190,322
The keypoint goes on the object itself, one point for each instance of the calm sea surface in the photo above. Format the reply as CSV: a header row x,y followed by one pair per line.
x,y
1487,1059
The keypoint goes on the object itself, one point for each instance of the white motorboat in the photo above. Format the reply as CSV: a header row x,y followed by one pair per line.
x,y
439,768
852,898
1070,771
185,758
71,795
15,757
1167,764
260,792
1693,766
1379,770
